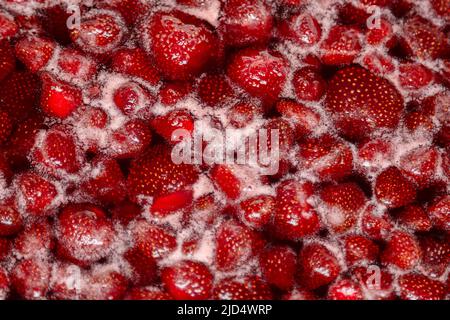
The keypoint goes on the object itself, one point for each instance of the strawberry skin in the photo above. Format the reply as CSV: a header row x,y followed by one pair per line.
x,y
35,52
402,251
258,72
242,288
181,45
341,46
7,60
134,62
36,192
414,286
214,89
278,264
154,174
393,189
361,102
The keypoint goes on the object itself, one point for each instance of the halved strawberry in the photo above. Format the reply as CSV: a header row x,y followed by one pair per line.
x,y
294,217
301,28
402,251
308,84
155,174
36,193
414,286
317,265
380,33
7,60
100,32
304,118
214,89
75,67
181,45
341,46
84,234
360,102
245,22
378,63
134,62
188,280
393,189
260,73
133,99
166,125
35,52
242,113
57,152
326,156
59,99
344,203
235,245
278,265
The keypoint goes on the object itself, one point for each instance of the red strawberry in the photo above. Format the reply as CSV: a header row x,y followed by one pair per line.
x,y
423,39
131,10
278,265
134,62
257,212
147,293
414,286
402,251
326,156
435,251
125,212
352,15
8,28
235,245
100,32
30,278
377,283
154,174
10,219
393,189
285,134
442,8
214,89
188,280
317,266
172,92
359,249
304,118
35,52
132,99
4,284
245,22
57,152
5,126
181,45
19,93
420,165
380,33
375,226
242,113
294,217
373,152
75,66
5,248
242,288
415,218
414,76
175,120
7,60
418,120
154,241
362,102
59,99
226,180
54,21
308,84
345,289
36,240
378,63
104,284
36,193
344,203
107,182
301,28
84,234
129,140
166,204
439,213
260,73
143,266
341,46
